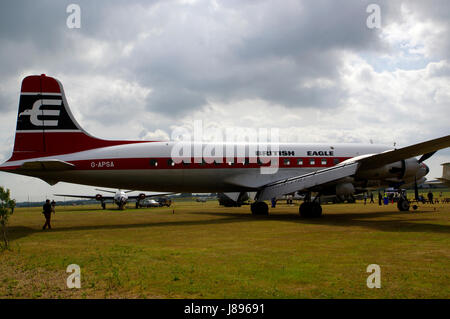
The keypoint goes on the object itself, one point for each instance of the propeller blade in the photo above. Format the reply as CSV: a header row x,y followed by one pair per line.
x,y
426,156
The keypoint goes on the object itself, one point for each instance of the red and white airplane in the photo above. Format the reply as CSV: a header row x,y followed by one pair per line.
x,y
51,145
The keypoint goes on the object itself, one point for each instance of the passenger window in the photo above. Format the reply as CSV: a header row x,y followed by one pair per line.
x,y
312,162
300,162
287,161
170,162
324,161
153,162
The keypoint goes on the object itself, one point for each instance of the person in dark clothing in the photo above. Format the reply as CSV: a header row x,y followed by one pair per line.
x,y
430,197
47,213
371,198
274,202
380,198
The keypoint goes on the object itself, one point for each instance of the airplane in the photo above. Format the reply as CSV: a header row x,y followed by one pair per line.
x,y
120,197
51,145
444,180
151,203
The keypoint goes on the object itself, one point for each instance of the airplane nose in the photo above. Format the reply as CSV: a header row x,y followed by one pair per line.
x,y
427,169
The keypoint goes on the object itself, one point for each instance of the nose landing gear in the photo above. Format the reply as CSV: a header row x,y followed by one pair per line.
x,y
403,205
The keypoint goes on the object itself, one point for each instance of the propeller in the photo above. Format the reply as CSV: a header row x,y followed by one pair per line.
x,y
423,158
426,156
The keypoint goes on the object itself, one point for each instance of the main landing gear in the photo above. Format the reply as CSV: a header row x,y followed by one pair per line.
x,y
310,209
259,208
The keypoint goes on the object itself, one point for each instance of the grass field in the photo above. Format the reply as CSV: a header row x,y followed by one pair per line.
x,y
203,250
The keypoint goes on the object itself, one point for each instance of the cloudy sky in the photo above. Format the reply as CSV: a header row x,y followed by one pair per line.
x,y
313,69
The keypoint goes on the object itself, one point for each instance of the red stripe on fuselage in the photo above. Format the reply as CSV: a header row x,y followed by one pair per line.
x,y
164,163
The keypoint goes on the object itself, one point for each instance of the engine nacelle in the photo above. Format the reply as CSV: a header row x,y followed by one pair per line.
x,y
345,189
401,169
141,196
99,197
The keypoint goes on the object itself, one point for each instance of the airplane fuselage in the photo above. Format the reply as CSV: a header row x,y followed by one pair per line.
x,y
151,166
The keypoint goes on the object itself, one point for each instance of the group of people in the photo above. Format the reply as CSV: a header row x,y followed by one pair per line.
x,y
371,198
392,197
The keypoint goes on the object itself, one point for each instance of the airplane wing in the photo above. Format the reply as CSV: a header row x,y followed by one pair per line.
x,y
392,156
349,168
86,196
305,181
136,197
439,182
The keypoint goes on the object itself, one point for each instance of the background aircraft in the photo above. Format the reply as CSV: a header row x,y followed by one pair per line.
x,y
444,180
120,198
51,145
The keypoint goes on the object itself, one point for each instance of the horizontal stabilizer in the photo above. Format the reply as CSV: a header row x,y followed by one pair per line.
x,y
49,165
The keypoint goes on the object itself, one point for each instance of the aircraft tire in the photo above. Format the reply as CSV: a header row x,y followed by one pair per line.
x,y
316,210
403,205
305,209
310,210
259,208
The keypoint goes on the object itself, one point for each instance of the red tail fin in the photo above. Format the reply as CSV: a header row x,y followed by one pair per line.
x,y
45,125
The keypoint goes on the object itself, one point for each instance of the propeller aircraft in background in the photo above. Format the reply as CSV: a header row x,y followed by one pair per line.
x,y
120,197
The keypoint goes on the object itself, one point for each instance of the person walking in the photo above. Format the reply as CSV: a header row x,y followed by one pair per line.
x,y
430,197
47,213
380,198
371,198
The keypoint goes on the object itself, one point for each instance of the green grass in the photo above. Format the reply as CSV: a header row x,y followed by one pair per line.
x,y
204,250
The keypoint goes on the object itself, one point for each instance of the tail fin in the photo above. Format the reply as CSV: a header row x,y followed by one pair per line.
x,y
45,125
446,171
